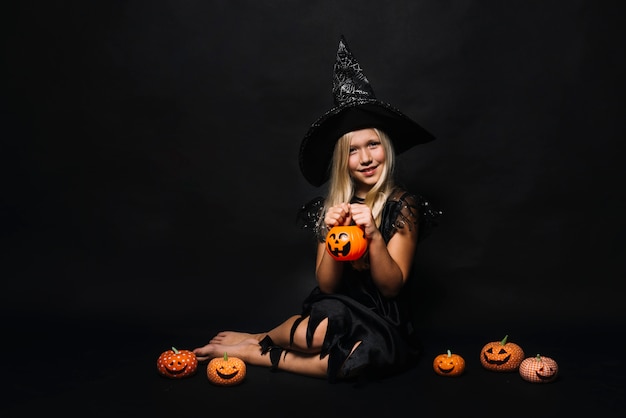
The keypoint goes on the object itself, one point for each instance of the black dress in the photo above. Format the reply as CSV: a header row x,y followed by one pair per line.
x,y
357,311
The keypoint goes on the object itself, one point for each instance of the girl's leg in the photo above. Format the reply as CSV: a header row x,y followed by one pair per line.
x,y
249,350
235,337
297,358
281,335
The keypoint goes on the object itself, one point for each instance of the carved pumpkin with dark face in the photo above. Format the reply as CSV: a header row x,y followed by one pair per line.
x,y
449,364
177,364
346,243
538,369
501,356
226,371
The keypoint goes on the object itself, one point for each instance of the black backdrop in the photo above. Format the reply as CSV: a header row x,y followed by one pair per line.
x,y
149,156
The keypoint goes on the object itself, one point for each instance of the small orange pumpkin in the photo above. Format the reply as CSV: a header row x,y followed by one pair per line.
x,y
449,364
346,243
501,356
177,364
226,371
539,369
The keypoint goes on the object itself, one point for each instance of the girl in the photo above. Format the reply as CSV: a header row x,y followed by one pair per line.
x,y
355,322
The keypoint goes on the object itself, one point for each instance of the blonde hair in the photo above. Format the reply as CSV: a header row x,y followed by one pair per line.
x,y
341,186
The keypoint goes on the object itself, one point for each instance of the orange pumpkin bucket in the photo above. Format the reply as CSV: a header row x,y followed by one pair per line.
x,y
346,243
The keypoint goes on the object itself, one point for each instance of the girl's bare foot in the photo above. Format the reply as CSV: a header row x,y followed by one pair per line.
x,y
233,337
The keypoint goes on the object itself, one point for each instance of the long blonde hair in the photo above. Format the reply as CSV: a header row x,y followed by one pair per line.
x,y
341,186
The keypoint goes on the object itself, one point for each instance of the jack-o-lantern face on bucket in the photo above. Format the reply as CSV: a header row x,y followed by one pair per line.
x,y
501,356
177,364
346,243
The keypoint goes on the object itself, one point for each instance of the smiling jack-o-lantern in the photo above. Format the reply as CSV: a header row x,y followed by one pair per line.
x,y
538,369
177,364
226,371
501,356
449,364
346,243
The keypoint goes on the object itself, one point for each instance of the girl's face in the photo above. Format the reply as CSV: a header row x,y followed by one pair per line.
x,y
366,159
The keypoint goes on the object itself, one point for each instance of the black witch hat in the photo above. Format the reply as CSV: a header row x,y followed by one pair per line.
x,y
356,107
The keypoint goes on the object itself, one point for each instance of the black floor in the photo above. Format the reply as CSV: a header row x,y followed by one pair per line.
x,y
69,367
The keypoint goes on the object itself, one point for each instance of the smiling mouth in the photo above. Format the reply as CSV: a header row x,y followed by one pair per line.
x,y
227,376
497,362
544,377
177,371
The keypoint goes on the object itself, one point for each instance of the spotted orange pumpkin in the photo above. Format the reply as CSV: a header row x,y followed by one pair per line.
x,y
346,243
177,364
226,371
449,364
539,369
501,356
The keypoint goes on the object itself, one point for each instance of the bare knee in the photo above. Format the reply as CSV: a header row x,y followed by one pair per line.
x,y
299,336
320,333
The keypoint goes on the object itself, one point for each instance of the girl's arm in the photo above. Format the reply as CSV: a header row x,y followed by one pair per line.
x,y
328,271
390,264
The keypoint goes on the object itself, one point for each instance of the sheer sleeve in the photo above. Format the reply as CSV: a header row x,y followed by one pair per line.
x,y
408,210
309,217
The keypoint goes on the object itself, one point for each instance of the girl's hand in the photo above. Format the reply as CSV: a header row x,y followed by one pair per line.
x,y
338,215
362,216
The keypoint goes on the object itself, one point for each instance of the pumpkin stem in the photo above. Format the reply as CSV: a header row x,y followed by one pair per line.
x,y
174,350
538,357
449,353
503,342
225,356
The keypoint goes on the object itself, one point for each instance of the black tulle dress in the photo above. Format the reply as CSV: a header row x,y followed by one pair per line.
x,y
358,312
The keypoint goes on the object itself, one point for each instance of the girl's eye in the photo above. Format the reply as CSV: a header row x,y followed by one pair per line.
x,y
352,150
374,144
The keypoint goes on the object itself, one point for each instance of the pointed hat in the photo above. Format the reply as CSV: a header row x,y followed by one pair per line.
x,y
355,107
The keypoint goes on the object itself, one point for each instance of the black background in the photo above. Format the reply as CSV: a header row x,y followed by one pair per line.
x,y
150,177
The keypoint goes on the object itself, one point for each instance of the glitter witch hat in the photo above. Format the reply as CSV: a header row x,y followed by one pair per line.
x,y
355,107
